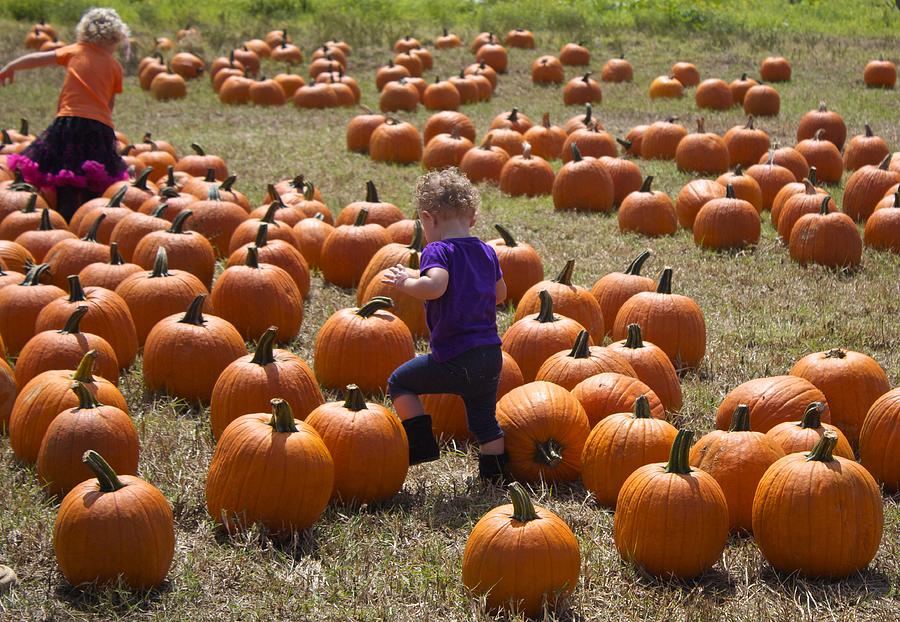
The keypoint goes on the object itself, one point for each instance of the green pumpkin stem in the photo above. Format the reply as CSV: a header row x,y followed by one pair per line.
x,y
274,194
354,399
194,313
634,339
371,192
252,259
546,312
269,216
508,238
116,199
565,276
160,264
413,260
34,274
417,238
885,162
265,354
823,208
30,206
576,154
378,303
824,449
812,416
588,114
76,291
106,477
158,211
141,181
91,235
679,456
729,192
86,399
85,370
740,419
282,417
361,217
634,268
309,191
523,508
178,222
648,182
665,281
210,176
641,408
73,324
226,185
581,350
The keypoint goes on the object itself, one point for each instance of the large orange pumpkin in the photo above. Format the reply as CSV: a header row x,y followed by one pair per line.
x,y
567,368
609,393
651,366
878,444
613,289
520,263
771,400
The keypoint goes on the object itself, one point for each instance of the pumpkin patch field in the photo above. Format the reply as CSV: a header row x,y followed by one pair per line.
x,y
698,222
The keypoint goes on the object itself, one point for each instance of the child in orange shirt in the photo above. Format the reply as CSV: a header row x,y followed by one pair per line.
x,y
77,155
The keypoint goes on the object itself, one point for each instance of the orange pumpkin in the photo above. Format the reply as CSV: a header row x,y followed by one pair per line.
x,y
348,250
567,368
727,223
828,239
648,212
702,152
834,130
651,366
802,436
583,184
609,393
519,262
527,175
771,400
878,441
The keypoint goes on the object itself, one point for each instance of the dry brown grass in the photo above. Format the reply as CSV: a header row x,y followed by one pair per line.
x,y
401,561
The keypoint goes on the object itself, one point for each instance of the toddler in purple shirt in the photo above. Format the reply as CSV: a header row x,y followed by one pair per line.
x,y
461,283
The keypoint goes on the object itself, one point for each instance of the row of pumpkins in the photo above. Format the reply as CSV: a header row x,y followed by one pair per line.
x,y
564,381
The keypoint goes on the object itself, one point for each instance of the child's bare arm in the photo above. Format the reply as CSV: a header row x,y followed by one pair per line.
x,y
501,290
427,287
28,61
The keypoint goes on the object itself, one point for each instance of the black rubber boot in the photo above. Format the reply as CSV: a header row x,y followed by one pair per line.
x,y
492,469
422,446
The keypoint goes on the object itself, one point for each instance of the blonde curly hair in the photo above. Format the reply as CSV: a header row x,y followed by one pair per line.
x,y
102,26
446,193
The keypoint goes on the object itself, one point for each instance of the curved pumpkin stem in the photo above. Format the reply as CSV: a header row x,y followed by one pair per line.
x,y
565,277
194,314
270,188
116,199
634,268
210,176
226,185
265,354
679,461
158,212
416,242
576,153
252,259
198,149
178,222
648,183
309,192
115,257
546,312
160,264
665,281
86,399
634,339
513,115
378,303
641,408
371,192
30,205
523,508
76,291
526,150
545,120
581,350
85,370
269,216
740,419
588,114
73,324
823,208
812,417
282,417
106,477
508,238
824,449
354,399
885,162
141,181
91,235
34,275
262,235
836,353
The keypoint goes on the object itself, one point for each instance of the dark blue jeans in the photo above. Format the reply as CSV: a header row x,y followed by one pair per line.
x,y
473,375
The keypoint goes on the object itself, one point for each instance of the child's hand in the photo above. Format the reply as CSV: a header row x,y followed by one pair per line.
x,y
396,276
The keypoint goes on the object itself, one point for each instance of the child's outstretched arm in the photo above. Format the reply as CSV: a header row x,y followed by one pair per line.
x,y
28,61
501,291
427,287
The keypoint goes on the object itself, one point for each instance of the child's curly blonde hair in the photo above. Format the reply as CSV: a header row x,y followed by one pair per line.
x,y
102,26
446,193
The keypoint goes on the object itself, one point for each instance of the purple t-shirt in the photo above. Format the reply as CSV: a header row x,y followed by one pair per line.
x,y
465,317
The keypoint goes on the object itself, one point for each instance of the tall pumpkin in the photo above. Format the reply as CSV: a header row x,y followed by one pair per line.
x,y
866,187
348,250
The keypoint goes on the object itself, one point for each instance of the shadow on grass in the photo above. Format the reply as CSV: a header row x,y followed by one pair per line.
x,y
868,584
296,545
118,597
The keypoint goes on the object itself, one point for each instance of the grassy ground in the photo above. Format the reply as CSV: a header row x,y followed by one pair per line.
x,y
401,561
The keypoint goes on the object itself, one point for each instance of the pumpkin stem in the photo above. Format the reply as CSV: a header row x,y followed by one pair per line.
x,y
210,175
822,107
750,120
813,176
160,264
526,150
546,313
269,216
264,354
513,115
508,239
701,125
812,417
141,181
626,144
565,277
226,185
170,177
361,217
885,162
586,77
252,259
214,192
581,350
378,303
729,192
106,477
46,225
416,243
743,77
29,207
413,260
545,120
354,399
665,281
178,223
740,419
819,134
548,453
76,292
576,153
91,235
823,208
523,508
588,114
73,324
309,192
634,268
445,31
648,182
679,461
869,133
198,150
262,235
836,353
194,314
86,399
282,417
34,274
115,257
158,211
634,339
641,408
84,371
824,449
371,192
